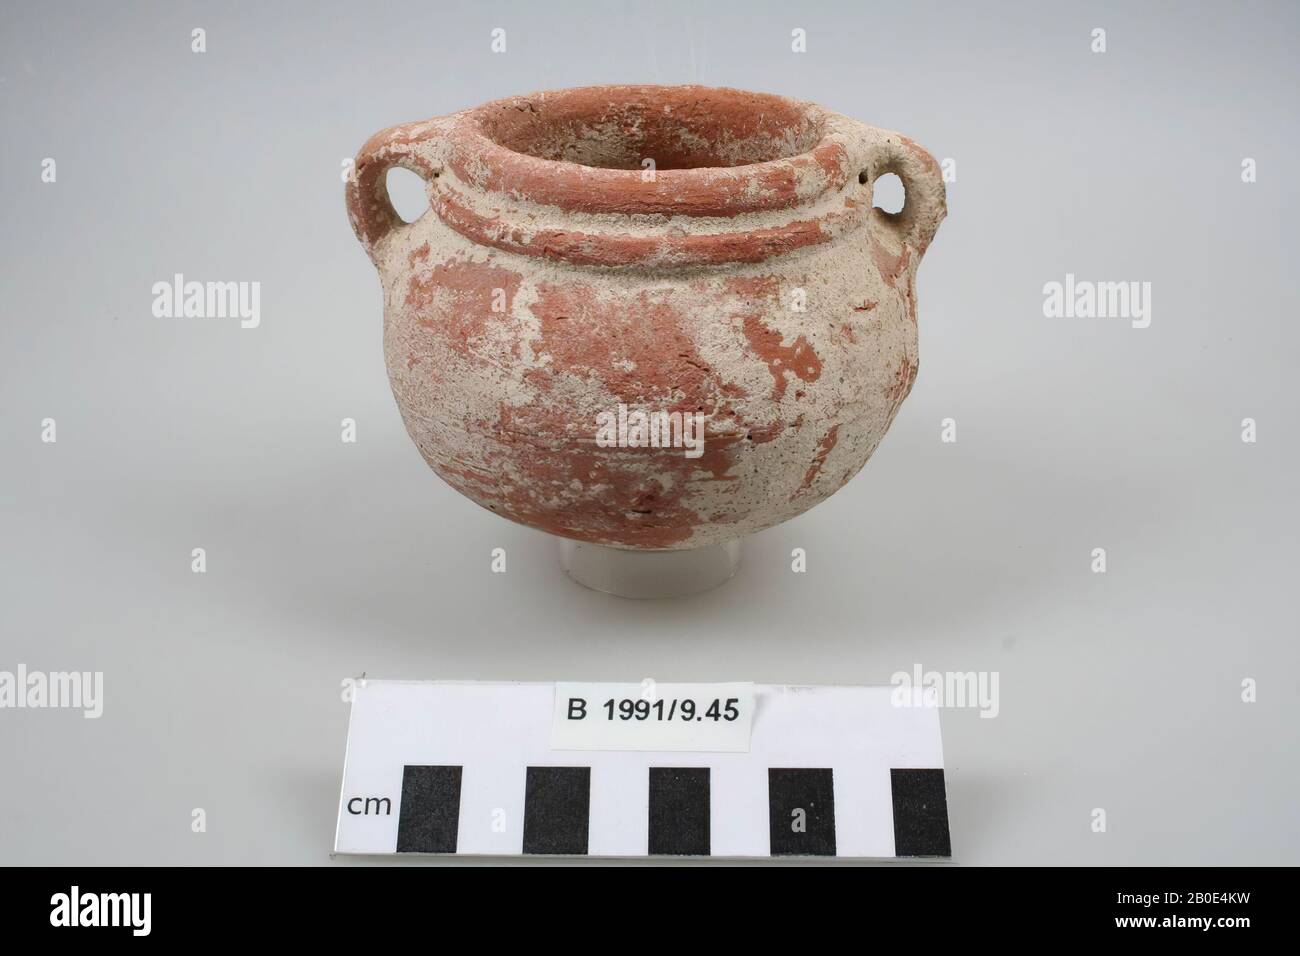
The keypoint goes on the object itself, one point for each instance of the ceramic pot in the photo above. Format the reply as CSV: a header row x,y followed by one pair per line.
x,y
608,250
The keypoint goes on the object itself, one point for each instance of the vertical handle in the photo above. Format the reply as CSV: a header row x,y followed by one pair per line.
x,y
370,210
925,202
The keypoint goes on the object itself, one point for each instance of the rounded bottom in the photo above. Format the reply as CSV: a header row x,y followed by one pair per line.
x,y
649,574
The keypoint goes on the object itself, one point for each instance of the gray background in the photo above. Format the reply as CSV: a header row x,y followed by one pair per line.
x,y
1120,691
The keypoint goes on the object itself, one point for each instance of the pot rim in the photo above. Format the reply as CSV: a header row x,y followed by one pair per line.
x,y
695,215
479,158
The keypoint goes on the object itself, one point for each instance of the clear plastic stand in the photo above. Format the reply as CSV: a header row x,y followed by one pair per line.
x,y
649,574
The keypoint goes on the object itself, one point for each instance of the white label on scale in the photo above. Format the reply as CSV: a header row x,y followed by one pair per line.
x,y
683,718
475,769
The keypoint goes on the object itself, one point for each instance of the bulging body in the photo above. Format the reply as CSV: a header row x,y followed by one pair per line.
x,y
603,257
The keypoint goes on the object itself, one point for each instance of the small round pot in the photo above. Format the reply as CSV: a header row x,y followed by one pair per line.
x,y
609,250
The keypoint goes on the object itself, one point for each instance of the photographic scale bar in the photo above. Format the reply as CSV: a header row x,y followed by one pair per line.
x,y
466,768
557,811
